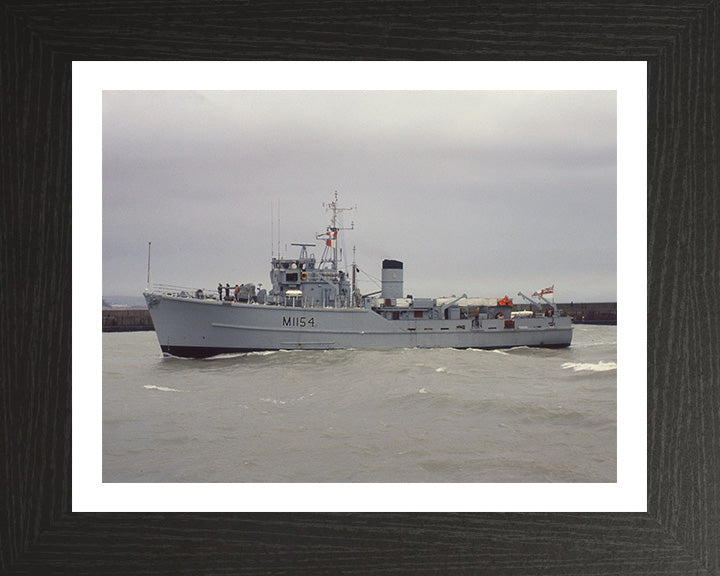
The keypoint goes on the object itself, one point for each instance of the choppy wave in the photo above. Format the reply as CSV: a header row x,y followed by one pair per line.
x,y
413,415
590,367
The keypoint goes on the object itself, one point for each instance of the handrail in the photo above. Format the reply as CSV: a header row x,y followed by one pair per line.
x,y
180,290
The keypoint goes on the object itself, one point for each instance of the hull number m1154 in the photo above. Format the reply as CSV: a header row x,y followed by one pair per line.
x,y
300,321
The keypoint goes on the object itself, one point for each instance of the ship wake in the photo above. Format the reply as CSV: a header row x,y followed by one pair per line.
x,y
590,367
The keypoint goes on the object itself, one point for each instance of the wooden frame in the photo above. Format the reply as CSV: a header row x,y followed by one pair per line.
x,y
680,533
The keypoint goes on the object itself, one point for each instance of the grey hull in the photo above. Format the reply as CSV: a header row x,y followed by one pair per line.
x,y
191,327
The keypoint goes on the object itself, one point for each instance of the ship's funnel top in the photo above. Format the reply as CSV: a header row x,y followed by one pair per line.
x,y
392,264
392,279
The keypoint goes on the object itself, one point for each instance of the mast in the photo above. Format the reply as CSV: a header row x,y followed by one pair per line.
x,y
332,232
353,278
148,277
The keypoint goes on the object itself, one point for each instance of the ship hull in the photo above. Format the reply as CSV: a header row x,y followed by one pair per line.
x,y
196,328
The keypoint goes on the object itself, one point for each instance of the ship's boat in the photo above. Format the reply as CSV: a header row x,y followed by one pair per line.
x,y
315,306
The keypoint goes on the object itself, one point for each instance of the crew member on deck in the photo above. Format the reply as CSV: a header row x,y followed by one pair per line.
x,y
219,290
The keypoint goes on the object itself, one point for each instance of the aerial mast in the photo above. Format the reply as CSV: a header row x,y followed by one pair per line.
x,y
353,278
148,275
332,230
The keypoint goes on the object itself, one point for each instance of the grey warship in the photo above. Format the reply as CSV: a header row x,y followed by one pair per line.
x,y
314,305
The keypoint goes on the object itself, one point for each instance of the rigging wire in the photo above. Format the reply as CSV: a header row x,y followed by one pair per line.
x,y
375,280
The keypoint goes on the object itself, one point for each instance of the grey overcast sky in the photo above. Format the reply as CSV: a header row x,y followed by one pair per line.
x,y
484,193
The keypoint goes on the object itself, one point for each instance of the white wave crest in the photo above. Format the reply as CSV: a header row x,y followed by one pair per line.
x,y
441,369
272,401
589,367
161,388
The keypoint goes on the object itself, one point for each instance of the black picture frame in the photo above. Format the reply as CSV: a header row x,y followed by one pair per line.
x,y
680,533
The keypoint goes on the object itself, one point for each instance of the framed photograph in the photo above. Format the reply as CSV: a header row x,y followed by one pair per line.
x,y
44,531
504,171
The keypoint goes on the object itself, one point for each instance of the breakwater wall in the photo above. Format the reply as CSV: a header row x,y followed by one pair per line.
x,y
138,319
126,320
591,313
584,312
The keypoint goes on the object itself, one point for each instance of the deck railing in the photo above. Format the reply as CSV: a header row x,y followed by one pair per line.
x,y
186,291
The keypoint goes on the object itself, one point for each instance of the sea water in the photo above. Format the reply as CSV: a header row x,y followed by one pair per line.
x,y
409,415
